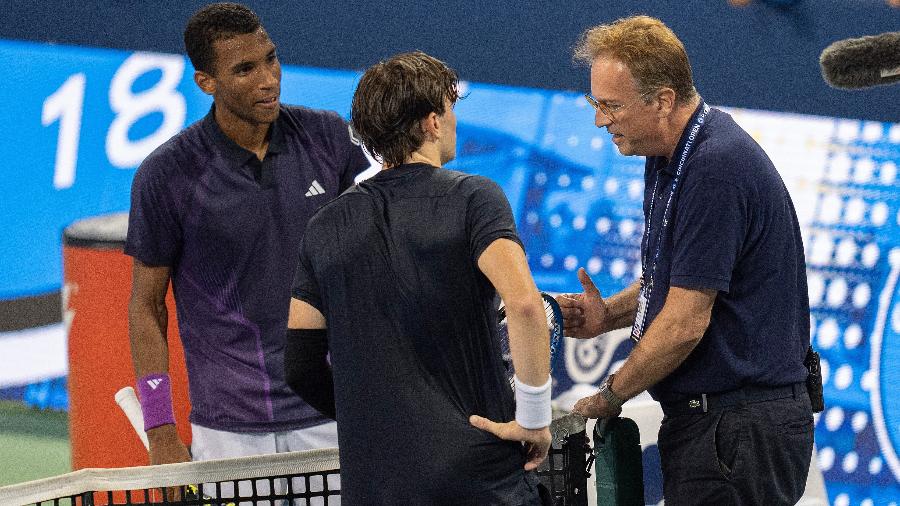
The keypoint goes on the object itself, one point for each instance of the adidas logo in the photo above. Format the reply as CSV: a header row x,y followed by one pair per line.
x,y
154,383
315,189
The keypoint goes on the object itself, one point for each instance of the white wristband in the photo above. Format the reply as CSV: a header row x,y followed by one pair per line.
x,y
533,404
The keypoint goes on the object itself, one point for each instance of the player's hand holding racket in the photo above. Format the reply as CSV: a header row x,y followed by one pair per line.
x,y
162,443
166,447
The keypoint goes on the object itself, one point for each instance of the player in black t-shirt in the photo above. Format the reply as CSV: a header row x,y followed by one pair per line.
x,y
403,271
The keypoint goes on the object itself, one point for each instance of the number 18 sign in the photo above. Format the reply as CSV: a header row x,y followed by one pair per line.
x,y
75,124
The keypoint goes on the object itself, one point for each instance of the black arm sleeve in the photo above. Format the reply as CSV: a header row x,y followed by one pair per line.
x,y
307,371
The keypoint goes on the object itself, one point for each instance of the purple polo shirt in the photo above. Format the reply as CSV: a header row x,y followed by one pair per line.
x,y
229,226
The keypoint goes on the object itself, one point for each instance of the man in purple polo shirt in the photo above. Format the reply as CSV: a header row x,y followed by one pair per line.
x,y
219,210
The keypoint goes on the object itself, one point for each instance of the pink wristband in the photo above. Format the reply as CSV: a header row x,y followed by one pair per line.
x,y
155,392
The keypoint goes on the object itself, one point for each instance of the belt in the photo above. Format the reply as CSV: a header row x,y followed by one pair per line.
x,y
703,403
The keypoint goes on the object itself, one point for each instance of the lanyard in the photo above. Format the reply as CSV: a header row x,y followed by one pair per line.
x,y
648,274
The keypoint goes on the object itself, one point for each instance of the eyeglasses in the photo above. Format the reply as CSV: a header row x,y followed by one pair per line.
x,y
610,110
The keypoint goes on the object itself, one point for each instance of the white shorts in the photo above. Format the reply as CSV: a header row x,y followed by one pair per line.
x,y
208,444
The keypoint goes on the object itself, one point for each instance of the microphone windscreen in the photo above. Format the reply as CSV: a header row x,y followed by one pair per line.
x,y
863,62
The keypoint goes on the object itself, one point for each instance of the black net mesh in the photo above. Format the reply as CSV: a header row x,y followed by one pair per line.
x,y
309,478
564,473
292,479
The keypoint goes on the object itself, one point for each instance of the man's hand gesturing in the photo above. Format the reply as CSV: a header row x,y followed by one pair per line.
x,y
585,314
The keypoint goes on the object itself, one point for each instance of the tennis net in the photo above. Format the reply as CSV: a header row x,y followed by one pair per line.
x,y
308,478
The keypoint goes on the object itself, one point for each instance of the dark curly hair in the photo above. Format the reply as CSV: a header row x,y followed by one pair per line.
x,y
393,96
216,22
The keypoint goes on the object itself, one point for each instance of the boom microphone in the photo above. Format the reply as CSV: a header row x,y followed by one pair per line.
x,y
873,60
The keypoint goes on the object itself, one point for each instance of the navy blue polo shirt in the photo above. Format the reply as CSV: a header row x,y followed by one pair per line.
x,y
230,226
732,229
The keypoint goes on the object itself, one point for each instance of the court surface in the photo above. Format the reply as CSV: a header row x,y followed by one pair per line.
x,y
34,443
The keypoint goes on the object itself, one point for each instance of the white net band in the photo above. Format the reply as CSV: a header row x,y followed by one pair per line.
x,y
170,475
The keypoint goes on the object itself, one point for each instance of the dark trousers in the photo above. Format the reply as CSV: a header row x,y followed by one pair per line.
x,y
750,453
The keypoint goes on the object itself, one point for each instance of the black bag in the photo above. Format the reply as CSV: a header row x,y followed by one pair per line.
x,y
814,380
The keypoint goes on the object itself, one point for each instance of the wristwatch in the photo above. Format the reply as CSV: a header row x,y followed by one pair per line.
x,y
606,392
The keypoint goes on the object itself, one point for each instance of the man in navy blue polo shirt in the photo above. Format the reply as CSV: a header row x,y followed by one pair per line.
x,y
220,210
720,314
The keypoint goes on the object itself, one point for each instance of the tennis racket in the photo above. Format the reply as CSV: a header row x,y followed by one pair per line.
x,y
554,324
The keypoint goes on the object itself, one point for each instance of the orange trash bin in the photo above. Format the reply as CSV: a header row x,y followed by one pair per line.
x,y
98,283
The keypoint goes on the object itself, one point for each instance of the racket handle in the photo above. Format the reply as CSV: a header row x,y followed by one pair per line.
x,y
128,401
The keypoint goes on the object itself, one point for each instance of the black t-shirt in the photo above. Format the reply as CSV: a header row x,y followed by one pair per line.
x,y
412,336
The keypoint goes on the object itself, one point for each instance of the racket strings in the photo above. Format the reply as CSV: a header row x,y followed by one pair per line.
x,y
554,324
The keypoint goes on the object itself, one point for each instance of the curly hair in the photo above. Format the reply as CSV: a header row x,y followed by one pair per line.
x,y
393,96
650,50
212,23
